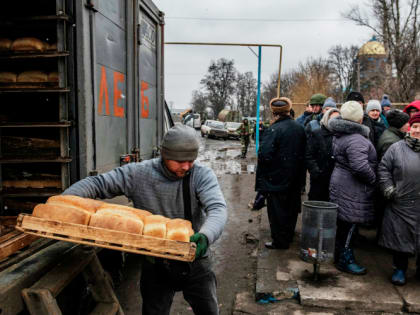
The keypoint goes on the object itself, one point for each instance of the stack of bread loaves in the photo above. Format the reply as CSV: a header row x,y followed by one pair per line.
x,y
78,210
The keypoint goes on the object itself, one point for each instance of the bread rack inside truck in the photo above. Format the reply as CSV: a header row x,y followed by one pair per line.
x,y
81,92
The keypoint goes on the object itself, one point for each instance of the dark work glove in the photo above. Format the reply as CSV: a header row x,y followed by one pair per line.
x,y
202,244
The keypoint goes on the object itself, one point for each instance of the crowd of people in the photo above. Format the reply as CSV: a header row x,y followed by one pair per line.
x,y
365,158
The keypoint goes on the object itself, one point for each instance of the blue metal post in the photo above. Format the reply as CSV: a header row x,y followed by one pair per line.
x,y
257,125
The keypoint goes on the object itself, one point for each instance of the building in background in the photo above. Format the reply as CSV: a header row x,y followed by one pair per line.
x,y
373,70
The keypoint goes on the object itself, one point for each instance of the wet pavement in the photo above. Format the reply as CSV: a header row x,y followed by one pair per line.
x,y
224,157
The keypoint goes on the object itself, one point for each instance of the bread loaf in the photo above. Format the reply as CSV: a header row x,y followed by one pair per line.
x,y
87,204
142,214
32,76
62,213
155,225
118,220
179,230
7,77
52,46
28,43
5,44
53,77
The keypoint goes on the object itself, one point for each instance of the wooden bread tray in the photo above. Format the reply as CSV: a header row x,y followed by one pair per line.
x,y
93,236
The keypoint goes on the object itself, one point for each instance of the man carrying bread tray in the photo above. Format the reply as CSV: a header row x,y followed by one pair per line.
x,y
175,187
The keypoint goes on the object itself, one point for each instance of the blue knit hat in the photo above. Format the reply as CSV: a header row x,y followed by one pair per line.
x,y
329,102
385,101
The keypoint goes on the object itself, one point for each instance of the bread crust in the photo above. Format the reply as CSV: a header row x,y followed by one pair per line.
x,y
8,77
28,44
179,230
87,204
122,221
32,76
155,225
62,213
5,44
142,214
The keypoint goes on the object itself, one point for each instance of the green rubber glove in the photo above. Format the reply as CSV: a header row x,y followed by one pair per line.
x,y
202,244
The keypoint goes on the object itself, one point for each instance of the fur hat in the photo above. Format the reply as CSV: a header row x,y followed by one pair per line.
x,y
180,143
280,105
385,101
329,103
397,118
352,110
355,96
373,104
414,119
317,99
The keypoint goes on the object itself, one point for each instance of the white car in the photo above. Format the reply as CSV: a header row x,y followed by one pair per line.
x,y
232,129
214,129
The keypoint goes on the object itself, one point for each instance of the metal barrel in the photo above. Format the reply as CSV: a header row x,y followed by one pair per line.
x,y
319,225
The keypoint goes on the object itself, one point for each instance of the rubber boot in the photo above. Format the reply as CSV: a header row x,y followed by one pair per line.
x,y
346,263
398,277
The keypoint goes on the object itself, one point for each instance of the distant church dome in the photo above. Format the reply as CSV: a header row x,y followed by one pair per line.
x,y
372,47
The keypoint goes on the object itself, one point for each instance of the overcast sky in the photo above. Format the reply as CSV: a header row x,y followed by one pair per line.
x,y
305,28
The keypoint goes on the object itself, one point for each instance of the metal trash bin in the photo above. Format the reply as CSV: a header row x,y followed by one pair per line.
x,y
319,225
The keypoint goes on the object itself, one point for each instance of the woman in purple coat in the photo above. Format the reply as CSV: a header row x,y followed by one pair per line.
x,y
352,182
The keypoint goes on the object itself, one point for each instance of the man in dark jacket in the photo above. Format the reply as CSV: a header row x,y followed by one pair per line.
x,y
308,111
398,126
319,158
358,97
280,172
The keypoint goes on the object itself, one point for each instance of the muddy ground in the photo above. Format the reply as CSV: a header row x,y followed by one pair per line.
x,y
235,252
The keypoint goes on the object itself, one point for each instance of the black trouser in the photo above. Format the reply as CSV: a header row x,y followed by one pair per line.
x,y
319,188
283,210
344,234
198,288
400,260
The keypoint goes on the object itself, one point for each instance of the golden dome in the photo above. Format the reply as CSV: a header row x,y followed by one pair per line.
x,y
372,47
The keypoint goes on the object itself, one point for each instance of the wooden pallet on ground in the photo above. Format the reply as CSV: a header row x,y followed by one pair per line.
x,y
40,298
116,240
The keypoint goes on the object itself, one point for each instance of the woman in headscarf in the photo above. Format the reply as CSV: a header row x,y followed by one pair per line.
x,y
319,158
399,173
352,182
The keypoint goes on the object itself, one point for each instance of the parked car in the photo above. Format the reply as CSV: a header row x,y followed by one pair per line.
x,y
214,129
232,129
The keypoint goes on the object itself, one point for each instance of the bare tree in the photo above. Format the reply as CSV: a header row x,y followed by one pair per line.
x,y
246,93
219,83
397,26
342,62
199,101
313,76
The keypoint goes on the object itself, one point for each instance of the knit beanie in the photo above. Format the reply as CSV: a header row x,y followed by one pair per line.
x,y
329,102
373,104
180,143
355,96
385,101
317,99
280,105
414,119
397,118
352,110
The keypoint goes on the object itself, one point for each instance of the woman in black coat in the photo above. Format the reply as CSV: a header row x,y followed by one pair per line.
x,y
319,158
399,173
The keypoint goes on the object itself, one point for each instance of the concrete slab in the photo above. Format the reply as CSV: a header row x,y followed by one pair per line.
x,y
410,292
279,270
